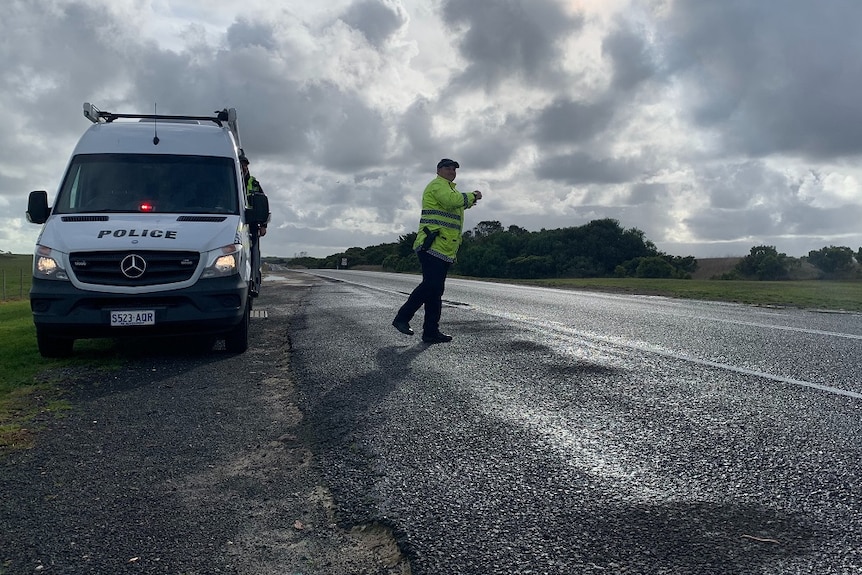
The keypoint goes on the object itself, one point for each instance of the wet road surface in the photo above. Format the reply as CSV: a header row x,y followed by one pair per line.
x,y
574,432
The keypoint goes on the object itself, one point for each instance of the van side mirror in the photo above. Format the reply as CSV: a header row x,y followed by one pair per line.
x,y
258,213
37,207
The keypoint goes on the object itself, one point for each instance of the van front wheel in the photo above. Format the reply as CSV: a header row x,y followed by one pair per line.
x,y
51,346
236,341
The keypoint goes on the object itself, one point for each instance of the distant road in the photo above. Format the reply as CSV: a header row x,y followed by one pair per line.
x,y
576,432
792,346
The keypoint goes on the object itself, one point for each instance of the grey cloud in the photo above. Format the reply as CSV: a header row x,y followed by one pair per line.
x,y
806,219
322,202
771,77
53,59
748,199
765,221
571,121
648,194
487,151
156,76
579,168
244,33
415,133
489,142
378,20
632,61
349,135
387,195
274,111
727,225
18,188
739,185
369,176
486,143
510,37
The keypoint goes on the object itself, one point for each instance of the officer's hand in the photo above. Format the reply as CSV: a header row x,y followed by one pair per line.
x,y
262,231
478,195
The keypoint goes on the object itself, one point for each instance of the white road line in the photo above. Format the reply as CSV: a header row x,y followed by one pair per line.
x,y
583,338
766,325
542,327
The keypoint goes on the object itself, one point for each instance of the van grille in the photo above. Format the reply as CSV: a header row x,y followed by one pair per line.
x,y
143,267
201,219
85,218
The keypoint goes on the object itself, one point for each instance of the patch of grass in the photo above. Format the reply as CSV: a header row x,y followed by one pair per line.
x,y
20,412
32,387
16,276
813,294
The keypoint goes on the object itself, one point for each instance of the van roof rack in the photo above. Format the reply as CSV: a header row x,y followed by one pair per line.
x,y
228,115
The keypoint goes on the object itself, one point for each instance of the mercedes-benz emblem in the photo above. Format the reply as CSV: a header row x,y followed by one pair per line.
x,y
133,266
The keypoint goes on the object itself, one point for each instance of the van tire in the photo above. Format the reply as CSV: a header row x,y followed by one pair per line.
x,y
236,341
50,346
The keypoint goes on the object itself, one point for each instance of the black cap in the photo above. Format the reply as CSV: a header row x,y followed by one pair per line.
x,y
446,162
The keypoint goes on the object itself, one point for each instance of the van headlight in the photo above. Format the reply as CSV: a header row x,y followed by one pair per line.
x,y
222,262
47,264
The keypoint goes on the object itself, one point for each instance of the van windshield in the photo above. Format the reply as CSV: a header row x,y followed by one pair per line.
x,y
126,183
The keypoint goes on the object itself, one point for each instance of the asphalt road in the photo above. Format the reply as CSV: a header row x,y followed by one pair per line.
x,y
569,432
559,433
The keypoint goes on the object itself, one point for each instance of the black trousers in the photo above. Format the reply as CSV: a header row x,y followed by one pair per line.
x,y
428,293
255,263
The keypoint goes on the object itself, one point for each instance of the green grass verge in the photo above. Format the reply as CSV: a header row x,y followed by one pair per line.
x,y
32,387
813,294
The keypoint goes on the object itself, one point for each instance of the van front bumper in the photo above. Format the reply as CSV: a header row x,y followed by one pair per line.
x,y
211,307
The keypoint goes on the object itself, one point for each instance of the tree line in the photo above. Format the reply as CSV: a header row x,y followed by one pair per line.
x,y
600,248
767,263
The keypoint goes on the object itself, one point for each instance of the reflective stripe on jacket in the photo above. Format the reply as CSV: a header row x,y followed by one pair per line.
x,y
443,212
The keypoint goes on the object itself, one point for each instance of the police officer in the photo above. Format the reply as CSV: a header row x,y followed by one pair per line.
x,y
252,186
436,245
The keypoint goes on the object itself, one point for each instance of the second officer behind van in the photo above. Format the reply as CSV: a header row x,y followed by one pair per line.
x,y
252,186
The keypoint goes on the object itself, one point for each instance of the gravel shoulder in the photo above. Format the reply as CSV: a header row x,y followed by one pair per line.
x,y
185,463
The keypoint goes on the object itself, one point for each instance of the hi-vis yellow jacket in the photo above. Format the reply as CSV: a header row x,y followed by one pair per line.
x,y
252,186
443,213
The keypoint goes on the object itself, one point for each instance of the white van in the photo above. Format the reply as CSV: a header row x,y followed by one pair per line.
x,y
149,234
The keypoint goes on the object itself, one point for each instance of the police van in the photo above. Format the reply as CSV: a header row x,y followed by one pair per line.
x,y
149,233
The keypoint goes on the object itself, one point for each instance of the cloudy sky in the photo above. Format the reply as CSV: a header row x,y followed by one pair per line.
x,y
713,126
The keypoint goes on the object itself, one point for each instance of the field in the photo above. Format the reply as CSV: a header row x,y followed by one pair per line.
x,y
15,276
708,268
801,292
811,294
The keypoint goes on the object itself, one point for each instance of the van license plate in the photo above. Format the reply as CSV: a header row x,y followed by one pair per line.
x,y
133,317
